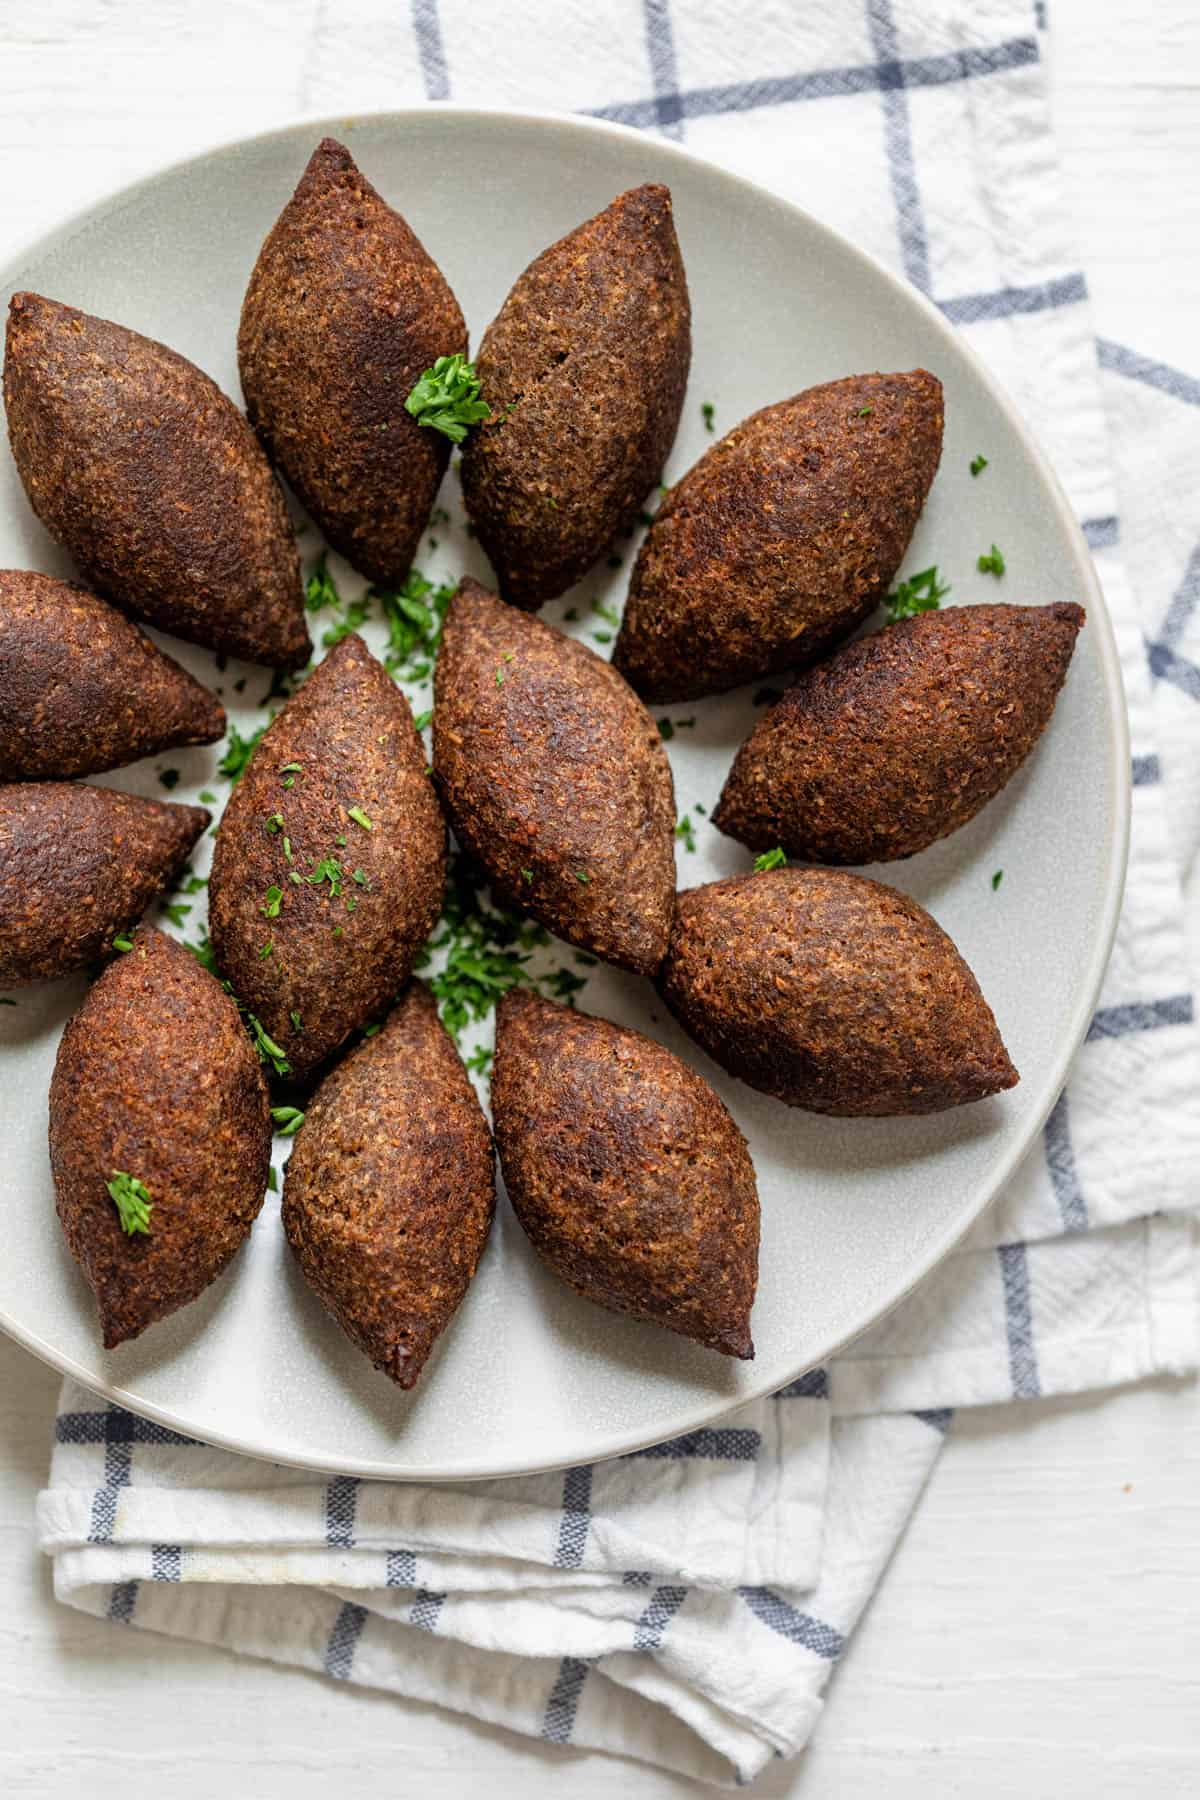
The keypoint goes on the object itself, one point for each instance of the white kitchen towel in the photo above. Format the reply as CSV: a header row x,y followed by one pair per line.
x,y
687,1605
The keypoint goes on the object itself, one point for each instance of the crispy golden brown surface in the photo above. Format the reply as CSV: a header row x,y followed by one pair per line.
x,y
344,311
833,993
313,914
79,865
390,1190
585,367
82,689
156,1079
628,1175
783,537
136,462
554,777
901,737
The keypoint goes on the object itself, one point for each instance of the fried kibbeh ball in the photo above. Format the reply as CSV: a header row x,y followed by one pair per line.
x,y
83,690
783,538
554,778
330,860
344,312
584,367
628,1175
151,478
389,1193
78,866
832,993
902,737
160,1134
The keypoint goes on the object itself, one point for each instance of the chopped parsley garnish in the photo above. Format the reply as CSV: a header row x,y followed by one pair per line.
x,y
708,413
287,1120
686,831
770,859
177,911
272,1180
238,752
330,870
360,818
864,412
370,1031
978,464
266,950
275,823
997,878
195,884
564,986
119,943
499,678
571,615
527,876
270,906
923,592
447,398
487,949
414,615
320,590
203,953
268,1050
132,1201
295,1018
287,849
361,876
668,727
292,768
609,614
602,637
991,563
582,875
207,797
169,778
480,1060
423,719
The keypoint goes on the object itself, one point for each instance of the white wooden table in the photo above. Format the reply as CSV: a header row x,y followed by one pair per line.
x,y
1039,1630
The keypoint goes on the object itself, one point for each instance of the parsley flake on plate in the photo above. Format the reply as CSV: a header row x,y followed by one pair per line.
x,y
770,859
923,592
991,563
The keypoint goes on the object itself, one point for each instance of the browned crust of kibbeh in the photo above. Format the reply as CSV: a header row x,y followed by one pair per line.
x,y
628,1175
783,537
902,737
79,865
554,778
156,1078
82,689
154,482
390,1190
832,993
344,312
351,731
584,367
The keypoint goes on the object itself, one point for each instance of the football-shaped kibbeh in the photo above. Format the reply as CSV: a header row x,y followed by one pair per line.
x,y
83,690
390,1190
153,481
585,368
783,538
344,312
79,865
156,1080
902,737
554,778
330,860
628,1175
832,993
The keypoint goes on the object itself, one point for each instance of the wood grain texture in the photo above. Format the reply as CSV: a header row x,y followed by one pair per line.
x,y
980,1669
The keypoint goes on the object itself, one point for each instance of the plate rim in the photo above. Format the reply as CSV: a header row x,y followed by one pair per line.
x,y
1119,774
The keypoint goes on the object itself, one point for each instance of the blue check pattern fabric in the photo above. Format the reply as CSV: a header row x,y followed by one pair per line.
x,y
688,1604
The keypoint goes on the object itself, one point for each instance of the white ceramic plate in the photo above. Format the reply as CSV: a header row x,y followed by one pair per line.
x,y
854,1212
